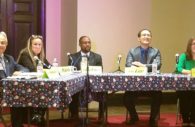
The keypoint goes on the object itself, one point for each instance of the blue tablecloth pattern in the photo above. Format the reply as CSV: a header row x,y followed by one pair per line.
x,y
58,92
123,82
41,92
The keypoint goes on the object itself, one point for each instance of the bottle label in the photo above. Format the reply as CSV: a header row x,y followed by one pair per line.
x,y
154,68
39,69
55,64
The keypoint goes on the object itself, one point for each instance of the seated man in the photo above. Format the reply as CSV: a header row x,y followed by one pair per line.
x,y
9,67
93,60
141,56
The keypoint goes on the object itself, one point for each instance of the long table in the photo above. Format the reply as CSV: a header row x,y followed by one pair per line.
x,y
41,92
58,92
152,82
123,82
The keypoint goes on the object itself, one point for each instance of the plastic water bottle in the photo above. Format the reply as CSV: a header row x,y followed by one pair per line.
x,y
40,67
154,67
55,62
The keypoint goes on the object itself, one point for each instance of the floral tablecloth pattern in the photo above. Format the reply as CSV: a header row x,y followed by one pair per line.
x,y
123,82
41,92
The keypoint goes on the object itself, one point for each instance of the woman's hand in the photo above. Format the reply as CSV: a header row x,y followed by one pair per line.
x,y
186,72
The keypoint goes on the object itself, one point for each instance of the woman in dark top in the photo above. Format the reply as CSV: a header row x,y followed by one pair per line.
x,y
34,49
29,58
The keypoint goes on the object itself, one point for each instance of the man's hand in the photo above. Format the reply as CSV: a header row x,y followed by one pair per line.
x,y
17,73
138,64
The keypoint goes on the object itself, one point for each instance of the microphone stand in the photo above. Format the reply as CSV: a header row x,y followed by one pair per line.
x,y
87,91
176,60
86,94
119,68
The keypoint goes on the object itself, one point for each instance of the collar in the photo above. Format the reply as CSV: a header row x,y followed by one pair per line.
x,y
144,50
2,55
85,54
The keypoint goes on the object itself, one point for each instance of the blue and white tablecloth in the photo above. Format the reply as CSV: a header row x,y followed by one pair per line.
x,y
122,82
41,92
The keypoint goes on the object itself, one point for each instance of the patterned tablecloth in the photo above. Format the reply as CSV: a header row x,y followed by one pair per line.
x,y
41,92
123,82
58,92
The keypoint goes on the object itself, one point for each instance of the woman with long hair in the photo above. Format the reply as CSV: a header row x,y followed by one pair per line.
x,y
187,98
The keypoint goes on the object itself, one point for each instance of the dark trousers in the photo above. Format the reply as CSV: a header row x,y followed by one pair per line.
x,y
187,104
130,99
19,116
76,103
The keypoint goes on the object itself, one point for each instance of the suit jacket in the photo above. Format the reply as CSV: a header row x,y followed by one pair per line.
x,y
11,66
135,55
27,62
94,60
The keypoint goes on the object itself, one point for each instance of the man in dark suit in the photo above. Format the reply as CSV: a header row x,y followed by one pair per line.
x,y
94,59
9,67
143,56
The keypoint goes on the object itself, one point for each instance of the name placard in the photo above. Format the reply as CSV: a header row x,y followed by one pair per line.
x,y
193,72
95,69
92,70
51,73
56,72
136,70
66,70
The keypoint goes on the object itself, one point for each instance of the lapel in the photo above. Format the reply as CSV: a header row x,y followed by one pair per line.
x,y
90,59
77,60
137,54
150,54
6,65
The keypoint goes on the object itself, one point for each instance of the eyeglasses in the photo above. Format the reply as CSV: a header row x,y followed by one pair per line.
x,y
149,35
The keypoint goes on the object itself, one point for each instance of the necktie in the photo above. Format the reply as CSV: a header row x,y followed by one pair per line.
x,y
3,63
145,56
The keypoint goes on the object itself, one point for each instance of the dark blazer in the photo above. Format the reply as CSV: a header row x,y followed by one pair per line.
x,y
135,55
27,62
11,66
94,60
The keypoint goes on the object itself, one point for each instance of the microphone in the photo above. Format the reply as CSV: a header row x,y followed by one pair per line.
x,y
119,58
73,60
44,65
177,58
70,57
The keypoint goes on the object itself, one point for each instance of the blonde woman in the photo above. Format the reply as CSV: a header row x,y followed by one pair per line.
x,y
29,57
35,49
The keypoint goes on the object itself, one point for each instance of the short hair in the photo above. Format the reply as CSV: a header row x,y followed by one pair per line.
x,y
2,33
80,39
139,33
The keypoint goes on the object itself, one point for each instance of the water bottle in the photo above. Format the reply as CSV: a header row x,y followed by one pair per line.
x,y
55,62
40,67
154,67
